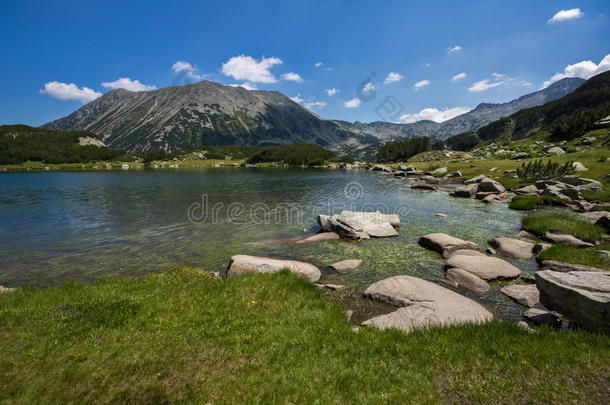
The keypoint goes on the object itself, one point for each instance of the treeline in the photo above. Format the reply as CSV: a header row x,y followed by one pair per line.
x,y
403,149
302,154
21,143
565,119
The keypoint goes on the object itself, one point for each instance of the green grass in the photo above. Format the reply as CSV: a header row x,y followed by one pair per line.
x,y
603,196
183,337
531,202
574,255
564,222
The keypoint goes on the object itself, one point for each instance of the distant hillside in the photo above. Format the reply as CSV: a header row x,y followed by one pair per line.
x,y
482,115
176,119
565,118
21,143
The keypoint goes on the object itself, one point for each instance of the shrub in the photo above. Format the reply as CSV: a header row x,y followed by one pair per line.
x,y
538,170
567,223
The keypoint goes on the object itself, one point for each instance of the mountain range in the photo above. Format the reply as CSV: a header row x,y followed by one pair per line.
x,y
178,118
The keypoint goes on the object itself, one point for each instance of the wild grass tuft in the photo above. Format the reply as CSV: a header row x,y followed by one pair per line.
x,y
540,223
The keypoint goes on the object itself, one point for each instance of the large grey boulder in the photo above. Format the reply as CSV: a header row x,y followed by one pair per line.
x,y
485,267
566,239
380,230
519,249
346,265
446,244
556,150
526,295
528,190
331,224
381,168
244,264
423,304
372,217
468,281
360,225
490,186
477,179
467,191
582,296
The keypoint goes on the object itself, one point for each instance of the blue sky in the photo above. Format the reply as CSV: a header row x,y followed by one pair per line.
x,y
391,60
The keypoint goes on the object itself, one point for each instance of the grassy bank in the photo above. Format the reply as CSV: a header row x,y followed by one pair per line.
x,y
570,254
184,337
540,223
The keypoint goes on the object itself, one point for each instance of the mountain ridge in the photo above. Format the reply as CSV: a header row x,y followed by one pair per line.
x,y
178,118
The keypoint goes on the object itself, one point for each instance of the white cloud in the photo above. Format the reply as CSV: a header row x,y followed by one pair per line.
x,y
392,77
353,103
70,91
369,87
244,67
585,70
564,15
331,92
420,84
297,98
458,77
180,65
292,77
484,85
128,84
318,64
315,104
187,68
434,114
454,48
246,85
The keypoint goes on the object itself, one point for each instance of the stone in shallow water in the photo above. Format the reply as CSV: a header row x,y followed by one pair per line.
x,y
526,295
566,239
485,267
346,265
463,279
542,316
380,230
244,264
447,253
423,304
441,241
519,249
583,296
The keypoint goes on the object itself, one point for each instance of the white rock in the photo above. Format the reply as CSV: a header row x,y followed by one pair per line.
x,y
245,264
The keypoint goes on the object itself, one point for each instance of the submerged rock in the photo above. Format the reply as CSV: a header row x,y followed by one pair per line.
x,y
244,264
542,316
318,237
485,267
526,295
443,243
582,296
423,304
519,249
346,265
468,281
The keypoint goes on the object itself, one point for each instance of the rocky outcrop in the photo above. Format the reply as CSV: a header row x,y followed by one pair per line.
x,y
346,265
468,281
526,295
446,244
582,296
519,249
360,225
244,264
422,304
485,267
381,168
